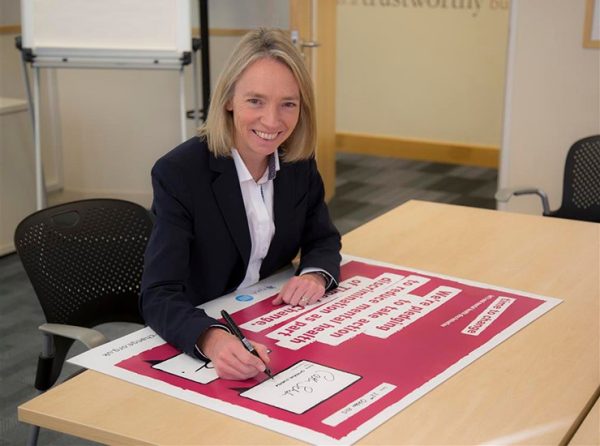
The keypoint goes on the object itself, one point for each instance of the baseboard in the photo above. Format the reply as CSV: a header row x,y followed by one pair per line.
x,y
10,29
6,248
422,150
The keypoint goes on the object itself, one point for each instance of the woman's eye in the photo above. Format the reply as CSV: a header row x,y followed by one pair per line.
x,y
254,101
290,105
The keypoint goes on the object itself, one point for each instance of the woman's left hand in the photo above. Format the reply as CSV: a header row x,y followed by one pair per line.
x,y
302,290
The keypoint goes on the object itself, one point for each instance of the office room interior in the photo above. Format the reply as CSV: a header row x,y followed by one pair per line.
x,y
467,96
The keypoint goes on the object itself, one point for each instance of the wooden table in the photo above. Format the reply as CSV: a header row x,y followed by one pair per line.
x,y
535,388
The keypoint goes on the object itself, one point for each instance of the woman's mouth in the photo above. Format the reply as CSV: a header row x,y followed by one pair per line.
x,y
266,136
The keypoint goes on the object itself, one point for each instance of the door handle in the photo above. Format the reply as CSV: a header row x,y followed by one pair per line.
x,y
295,36
310,44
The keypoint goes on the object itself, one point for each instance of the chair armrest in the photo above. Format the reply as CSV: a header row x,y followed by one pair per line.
x,y
89,337
504,195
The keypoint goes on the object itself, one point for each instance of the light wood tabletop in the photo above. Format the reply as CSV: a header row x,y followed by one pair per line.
x,y
534,388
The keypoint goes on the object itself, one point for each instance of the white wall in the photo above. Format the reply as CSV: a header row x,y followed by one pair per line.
x,y
17,176
553,97
430,72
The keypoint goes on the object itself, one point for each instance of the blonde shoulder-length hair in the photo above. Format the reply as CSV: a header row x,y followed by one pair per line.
x,y
218,129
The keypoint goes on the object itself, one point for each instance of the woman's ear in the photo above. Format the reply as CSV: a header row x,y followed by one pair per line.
x,y
229,106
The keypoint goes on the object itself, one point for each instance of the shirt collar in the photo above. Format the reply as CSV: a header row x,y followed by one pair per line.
x,y
244,174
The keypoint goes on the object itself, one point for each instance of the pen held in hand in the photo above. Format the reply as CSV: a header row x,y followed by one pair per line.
x,y
245,342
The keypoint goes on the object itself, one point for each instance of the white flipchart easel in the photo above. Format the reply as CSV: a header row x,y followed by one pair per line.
x,y
116,34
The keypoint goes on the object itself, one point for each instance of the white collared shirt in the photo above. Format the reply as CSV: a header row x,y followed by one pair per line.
x,y
258,202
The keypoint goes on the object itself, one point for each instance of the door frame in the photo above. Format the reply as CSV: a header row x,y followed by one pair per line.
x,y
316,22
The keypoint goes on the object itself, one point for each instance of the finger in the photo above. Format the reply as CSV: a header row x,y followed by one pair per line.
x,y
225,371
233,368
282,296
312,291
263,352
233,374
317,294
229,370
279,298
309,293
300,291
233,361
299,296
287,292
310,299
248,361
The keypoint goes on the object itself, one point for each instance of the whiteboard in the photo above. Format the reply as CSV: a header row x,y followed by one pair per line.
x,y
106,28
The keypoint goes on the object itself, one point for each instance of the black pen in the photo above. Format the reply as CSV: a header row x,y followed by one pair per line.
x,y
245,342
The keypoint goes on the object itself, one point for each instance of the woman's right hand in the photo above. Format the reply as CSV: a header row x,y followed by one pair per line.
x,y
229,357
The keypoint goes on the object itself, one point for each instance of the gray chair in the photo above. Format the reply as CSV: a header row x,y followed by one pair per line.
x,y
84,260
581,184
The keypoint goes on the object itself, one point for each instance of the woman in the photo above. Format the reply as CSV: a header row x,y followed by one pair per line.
x,y
237,203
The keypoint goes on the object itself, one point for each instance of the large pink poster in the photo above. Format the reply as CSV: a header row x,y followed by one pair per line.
x,y
385,337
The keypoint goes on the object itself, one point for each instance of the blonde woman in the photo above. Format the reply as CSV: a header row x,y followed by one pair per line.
x,y
237,203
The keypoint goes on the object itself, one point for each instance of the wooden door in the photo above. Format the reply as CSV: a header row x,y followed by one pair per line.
x,y
315,24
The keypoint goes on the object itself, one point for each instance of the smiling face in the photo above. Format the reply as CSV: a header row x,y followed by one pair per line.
x,y
266,108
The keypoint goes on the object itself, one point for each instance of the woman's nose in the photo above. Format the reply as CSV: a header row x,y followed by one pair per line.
x,y
271,117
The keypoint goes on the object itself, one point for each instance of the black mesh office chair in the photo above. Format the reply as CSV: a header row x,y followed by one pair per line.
x,y
84,260
581,184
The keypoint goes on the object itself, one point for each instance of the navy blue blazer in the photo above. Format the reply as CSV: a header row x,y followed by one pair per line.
x,y
200,244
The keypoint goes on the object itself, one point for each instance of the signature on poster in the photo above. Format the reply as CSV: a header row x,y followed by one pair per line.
x,y
301,387
311,383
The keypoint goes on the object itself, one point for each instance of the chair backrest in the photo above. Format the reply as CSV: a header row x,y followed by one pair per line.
x,y
581,188
85,260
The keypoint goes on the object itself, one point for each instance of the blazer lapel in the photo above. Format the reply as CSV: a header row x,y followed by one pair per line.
x,y
226,188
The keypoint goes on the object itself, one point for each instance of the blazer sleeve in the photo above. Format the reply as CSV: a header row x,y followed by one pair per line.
x,y
320,241
165,303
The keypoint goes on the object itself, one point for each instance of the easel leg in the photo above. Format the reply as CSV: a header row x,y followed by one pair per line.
x,y
182,103
40,187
